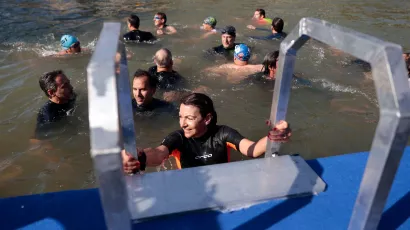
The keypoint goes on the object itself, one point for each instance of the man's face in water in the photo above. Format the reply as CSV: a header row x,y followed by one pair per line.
x,y
228,41
142,91
257,15
64,90
158,20
207,27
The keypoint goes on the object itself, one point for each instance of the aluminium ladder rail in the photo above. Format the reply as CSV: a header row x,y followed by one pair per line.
x,y
392,89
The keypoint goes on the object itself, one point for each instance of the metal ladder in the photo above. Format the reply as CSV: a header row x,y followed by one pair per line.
x,y
127,199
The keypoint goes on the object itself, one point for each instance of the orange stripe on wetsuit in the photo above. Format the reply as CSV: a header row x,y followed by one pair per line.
x,y
177,154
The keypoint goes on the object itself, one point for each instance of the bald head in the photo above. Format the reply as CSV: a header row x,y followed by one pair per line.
x,y
163,58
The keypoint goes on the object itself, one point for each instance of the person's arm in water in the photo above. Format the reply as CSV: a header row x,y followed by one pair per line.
x,y
258,28
207,34
168,30
232,72
280,133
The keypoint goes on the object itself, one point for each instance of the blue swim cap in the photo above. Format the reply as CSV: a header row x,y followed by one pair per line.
x,y
242,52
67,41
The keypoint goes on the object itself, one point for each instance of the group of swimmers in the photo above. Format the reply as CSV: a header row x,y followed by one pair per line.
x,y
200,141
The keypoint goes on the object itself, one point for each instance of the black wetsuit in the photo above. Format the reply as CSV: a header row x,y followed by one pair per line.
x,y
138,36
156,106
212,148
277,36
224,51
167,80
51,113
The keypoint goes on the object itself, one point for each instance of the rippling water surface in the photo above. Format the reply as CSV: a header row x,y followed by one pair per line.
x,y
335,114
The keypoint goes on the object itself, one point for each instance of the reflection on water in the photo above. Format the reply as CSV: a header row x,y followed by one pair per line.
x,y
334,114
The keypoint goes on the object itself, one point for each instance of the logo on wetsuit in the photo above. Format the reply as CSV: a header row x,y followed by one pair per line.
x,y
203,156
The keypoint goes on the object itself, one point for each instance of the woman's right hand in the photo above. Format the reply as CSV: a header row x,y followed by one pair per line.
x,y
129,163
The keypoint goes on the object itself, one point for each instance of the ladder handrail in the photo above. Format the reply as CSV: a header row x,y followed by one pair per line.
x,y
105,90
393,95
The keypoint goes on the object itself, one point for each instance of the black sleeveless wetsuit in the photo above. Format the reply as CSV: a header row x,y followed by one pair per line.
x,y
212,148
138,36
167,80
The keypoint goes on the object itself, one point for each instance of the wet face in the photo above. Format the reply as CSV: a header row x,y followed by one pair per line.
x,y
228,41
158,20
207,27
75,48
191,121
142,91
257,15
64,90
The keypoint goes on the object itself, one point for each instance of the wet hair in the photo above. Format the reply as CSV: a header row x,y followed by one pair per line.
x,y
203,103
163,16
277,24
48,81
152,81
270,61
261,12
134,21
163,61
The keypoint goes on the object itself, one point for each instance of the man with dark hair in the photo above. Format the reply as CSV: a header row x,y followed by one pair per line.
x,y
200,141
260,17
144,86
160,22
61,100
228,42
276,30
134,34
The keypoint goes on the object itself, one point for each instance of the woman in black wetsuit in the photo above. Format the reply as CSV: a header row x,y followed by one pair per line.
x,y
200,141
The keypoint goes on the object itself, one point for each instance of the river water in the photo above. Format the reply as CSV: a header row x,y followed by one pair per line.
x,y
335,114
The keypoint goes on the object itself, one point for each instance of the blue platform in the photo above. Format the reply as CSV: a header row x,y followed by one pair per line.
x,y
331,209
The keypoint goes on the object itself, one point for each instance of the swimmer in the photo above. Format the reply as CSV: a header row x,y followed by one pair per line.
x,y
144,86
228,42
134,34
168,78
260,17
70,45
209,26
160,22
60,104
240,68
276,30
200,141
